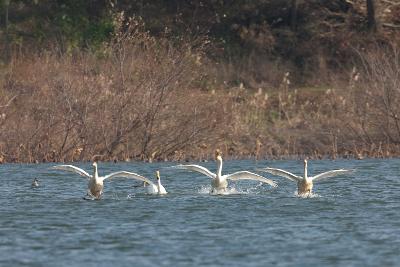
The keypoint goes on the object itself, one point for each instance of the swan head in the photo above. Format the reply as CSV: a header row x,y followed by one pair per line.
x,y
94,166
305,162
218,155
158,175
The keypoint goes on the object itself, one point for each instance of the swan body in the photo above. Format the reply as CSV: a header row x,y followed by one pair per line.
x,y
96,182
152,188
304,184
219,182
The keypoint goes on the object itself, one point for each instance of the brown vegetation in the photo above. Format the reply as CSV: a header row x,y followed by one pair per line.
x,y
146,98
132,102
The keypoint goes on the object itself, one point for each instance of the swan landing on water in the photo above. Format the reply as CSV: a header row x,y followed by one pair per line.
x,y
304,184
96,182
219,182
152,188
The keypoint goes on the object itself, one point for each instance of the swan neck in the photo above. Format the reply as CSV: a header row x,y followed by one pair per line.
x,y
96,174
219,167
159,185
305,170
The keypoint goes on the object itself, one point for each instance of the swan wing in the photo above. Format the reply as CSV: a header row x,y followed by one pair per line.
x,y
126,174
328,174
71,168
282,173
245,175
196,168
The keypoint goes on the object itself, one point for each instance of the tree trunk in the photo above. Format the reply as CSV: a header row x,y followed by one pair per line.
x,y
293,14
7,41
371,15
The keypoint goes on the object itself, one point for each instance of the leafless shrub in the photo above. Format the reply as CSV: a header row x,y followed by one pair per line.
x,y
144,98
375,99
136,100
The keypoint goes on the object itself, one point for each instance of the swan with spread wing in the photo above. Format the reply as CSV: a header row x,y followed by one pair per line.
x,y
96,182
304,183
219,182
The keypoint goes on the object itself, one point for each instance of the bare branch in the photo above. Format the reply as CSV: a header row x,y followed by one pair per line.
x,y
9,102
390,25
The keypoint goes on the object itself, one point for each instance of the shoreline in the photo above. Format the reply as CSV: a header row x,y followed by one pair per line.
x,y
209,159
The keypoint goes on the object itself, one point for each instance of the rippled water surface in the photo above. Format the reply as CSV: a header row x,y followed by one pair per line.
x,y
353,220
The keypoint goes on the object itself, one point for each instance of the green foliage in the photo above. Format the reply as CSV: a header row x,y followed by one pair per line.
x,y
73,24
79,28
237,30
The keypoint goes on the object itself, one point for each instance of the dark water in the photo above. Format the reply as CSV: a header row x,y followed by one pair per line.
x,y
353,220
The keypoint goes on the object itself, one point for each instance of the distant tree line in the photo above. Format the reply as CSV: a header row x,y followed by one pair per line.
x,y
172,80
235,27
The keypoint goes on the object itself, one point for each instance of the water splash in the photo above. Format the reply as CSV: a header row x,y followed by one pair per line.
x,y
130,196
87,197
306,195
205,189
229,191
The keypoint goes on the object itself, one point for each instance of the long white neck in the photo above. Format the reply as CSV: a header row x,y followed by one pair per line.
x,y
95,173
159,185
219,167
305,171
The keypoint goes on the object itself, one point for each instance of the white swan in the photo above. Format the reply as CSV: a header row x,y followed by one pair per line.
x,y
219,182
96,182
151,188
304,184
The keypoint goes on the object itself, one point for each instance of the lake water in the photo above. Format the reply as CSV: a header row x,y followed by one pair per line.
x,y
353,220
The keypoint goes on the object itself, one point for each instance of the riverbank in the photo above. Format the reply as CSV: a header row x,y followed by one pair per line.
x,y
148,99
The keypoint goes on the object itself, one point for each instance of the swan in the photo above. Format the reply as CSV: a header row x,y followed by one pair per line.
x,y
151,188
35,182
219,182
96,182
305,183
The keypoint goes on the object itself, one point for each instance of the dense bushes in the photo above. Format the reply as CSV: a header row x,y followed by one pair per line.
x,y
90,83
142,100
133,102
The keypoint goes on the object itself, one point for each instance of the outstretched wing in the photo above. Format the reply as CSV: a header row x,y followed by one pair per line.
x,y
245,175
126,174
71,168
196,168
282,173
329,174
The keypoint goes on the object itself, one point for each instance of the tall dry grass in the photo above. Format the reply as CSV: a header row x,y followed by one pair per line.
x,y
358,119
153,99
135,101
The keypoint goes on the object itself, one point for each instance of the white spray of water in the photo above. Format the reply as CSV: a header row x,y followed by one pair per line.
x,y
306,195
207,189
130,196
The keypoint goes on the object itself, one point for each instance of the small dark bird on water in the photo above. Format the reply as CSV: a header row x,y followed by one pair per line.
x,y
35,182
